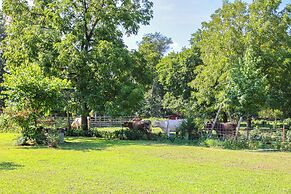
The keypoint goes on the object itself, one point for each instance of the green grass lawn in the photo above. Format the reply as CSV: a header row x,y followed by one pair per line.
x,y
88,165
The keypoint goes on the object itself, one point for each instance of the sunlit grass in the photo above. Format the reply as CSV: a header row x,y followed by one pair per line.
x,y
88,165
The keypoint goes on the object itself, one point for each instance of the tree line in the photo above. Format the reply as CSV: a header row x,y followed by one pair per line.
x,y
70,56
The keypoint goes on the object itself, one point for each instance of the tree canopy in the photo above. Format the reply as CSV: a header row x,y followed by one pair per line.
x,y
80,41
226,41
239,60
153,48
175,72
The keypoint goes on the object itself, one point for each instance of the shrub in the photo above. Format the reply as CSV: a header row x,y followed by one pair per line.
x,y
34,135
127,134
53,138
39,136
188,130
8,124
235,144
212,143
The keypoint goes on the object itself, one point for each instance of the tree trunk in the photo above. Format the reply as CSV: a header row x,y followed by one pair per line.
x,y
224,117
69,120
249,126
84,119
249,123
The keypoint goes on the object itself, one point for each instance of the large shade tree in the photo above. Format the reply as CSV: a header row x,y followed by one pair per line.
x,y
226,41
81,41
153,48
175,72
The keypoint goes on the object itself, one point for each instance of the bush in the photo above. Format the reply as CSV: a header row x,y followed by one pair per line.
x,y
53,138
127,134
34,136
188,130
8,124
211,143
235,144
39,136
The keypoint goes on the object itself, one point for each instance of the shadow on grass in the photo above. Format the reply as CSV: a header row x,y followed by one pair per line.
x,y
9,166
86,144
89,144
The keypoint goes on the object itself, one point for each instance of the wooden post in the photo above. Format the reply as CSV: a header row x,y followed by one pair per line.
x,y
238,127
283,134
168,131
215,120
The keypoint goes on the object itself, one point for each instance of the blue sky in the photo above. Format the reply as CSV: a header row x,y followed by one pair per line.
x,y
178,19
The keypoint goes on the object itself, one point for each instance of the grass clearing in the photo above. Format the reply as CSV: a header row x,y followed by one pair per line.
x,y
89,165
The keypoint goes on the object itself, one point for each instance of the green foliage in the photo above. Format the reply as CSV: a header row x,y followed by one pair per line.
x,y
80,41
8,124
175,72
2,62
189,130
211,143
39,136
244,46
236,144
31,94
152,48
220,42
33,136
122,134
270,114
53,138
128,101
248,86
30,89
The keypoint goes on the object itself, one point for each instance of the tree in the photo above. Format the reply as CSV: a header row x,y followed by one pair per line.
x,y
269,36
2,63
153,47
79,40
32,94
175,73
247,93
225,42
221,43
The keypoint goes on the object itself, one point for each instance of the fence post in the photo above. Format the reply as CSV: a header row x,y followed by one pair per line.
x,y
238,127
283,134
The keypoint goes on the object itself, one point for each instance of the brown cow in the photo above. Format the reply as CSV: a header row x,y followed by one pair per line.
x,y
223,130
138,124
226,130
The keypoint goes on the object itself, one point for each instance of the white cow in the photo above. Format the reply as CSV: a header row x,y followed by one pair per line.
x,y
169,125
77,123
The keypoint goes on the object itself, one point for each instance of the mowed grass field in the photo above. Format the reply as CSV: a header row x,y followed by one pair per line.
x,y
88,165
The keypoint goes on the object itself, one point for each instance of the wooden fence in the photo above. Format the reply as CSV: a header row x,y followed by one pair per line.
x,y
108,121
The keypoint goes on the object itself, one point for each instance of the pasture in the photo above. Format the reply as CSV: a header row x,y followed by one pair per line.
x,y
90,165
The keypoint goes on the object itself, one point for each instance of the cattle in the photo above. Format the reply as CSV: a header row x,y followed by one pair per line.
x,y
128,124
169,125
223,130
226,130
77,123
139,124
